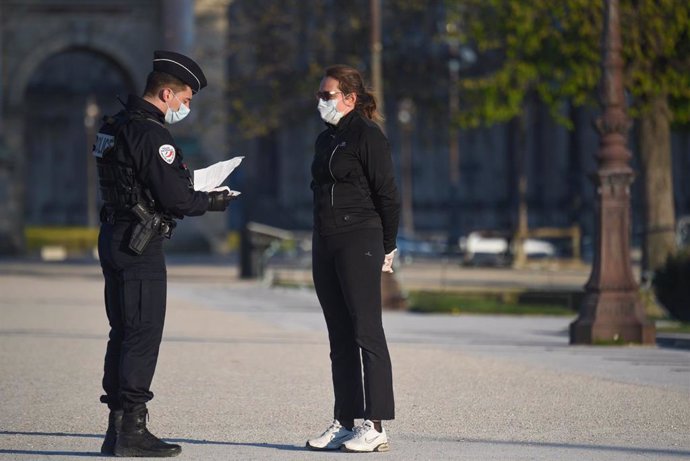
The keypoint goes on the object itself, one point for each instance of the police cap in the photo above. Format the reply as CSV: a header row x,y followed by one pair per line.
x,y
180,66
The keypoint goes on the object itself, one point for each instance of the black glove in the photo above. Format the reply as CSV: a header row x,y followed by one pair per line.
x,y
218,200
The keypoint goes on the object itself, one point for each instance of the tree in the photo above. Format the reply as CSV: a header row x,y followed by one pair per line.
x,y
658,72
510,37
277,52
551,50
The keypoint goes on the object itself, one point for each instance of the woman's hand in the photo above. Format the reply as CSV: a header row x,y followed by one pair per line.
x,y
388,262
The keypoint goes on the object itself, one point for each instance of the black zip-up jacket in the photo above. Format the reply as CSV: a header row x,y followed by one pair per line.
x,y
353,180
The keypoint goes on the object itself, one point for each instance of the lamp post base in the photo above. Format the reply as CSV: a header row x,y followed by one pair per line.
x,y
612,318
391,294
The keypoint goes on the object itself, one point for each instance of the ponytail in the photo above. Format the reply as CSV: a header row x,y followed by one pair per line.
x,y
366,104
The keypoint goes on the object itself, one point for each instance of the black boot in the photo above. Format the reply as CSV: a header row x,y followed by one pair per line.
x,y
114,426
134,440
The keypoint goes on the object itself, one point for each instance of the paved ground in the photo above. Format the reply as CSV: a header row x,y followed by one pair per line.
x,y
244,375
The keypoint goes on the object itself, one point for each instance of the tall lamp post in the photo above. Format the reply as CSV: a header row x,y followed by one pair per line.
x,y
376,48
391,294
453,132
91,113
460,57
405,112
611,310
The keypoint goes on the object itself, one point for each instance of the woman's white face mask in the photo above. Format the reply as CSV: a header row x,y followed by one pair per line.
x,y
328,111
175,116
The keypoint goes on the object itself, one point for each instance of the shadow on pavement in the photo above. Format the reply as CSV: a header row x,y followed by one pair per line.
x,y
276,446
566,446
52,434
100,436
92,454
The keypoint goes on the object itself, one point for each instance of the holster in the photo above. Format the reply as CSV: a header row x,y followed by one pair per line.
x,y
142,234
149,224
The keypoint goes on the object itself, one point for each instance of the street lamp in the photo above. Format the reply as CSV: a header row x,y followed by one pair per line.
x,y
612,310
460,57
405,113
391,294
91,112
453,132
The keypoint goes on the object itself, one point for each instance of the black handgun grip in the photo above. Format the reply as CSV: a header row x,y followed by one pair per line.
x,y
141,213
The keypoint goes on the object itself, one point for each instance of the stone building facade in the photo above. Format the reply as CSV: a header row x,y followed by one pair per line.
x,y
63,65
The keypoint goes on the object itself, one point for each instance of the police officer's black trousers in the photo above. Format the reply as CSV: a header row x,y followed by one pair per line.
x,y
347,277
135,291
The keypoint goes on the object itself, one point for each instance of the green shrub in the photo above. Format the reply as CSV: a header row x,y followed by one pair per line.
x,y
672,285
72,238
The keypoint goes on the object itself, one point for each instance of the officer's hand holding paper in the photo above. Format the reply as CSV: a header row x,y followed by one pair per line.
x,y
219,200
209,179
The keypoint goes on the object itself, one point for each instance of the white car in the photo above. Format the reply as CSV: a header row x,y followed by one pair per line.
x,y
481,248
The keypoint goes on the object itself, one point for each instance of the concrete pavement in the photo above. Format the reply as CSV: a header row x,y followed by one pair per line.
x,y
244,374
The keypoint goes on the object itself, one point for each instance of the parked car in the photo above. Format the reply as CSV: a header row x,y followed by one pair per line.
x,y
486,248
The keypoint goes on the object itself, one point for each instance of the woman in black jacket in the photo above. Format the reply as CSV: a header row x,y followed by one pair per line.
x,y
356,214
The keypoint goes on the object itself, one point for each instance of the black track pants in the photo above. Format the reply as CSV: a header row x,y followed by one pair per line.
x,y
135,295
347,278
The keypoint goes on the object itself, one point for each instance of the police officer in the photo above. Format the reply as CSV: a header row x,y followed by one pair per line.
x,y
145,186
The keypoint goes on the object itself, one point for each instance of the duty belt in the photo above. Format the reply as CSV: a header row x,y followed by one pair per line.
x,y
111,215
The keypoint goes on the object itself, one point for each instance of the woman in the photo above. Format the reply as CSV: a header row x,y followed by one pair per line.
x,y
356,213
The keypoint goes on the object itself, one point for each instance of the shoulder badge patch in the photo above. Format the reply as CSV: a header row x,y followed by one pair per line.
x,y
102,144
167,153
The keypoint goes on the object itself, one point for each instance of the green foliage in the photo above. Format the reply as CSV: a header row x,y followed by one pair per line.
x,y
528,48
671,285
656,49
277,52
553,49
272,78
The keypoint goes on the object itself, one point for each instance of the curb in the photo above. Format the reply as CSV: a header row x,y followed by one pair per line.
x,y
673,340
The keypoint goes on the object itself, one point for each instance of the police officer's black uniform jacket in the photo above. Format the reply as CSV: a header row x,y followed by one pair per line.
x,y
148,147
353,180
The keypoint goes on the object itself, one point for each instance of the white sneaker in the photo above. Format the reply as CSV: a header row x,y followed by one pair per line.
x,y
367,439
331,439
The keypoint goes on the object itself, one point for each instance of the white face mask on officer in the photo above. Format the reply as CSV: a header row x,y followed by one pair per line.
x,y
328,111
175,116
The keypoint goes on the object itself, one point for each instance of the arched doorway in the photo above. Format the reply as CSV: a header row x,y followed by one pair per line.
x,y
65,100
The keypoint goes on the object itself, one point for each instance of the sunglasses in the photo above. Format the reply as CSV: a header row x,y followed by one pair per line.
x,y
326,95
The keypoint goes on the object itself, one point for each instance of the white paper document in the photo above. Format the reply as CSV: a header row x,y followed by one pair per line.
x,y
210,178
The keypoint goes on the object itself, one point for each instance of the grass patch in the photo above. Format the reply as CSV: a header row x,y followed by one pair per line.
x,y
80,238
232,241
489,303
289,284
72,238
673,327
